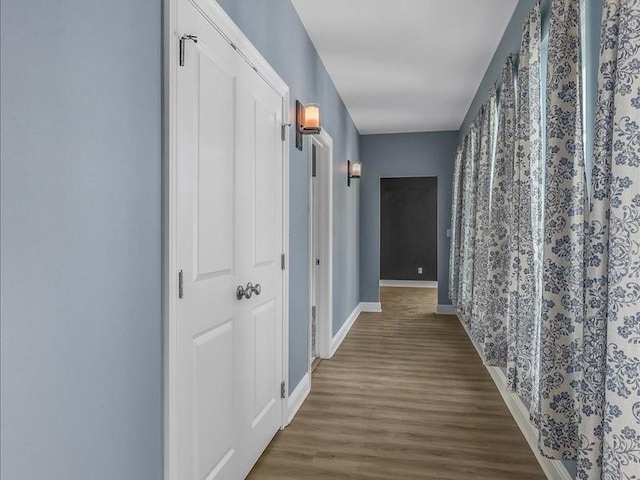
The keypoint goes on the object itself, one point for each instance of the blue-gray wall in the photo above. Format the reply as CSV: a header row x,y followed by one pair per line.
x,y
277,32
430,154
81,326
81,350
510,43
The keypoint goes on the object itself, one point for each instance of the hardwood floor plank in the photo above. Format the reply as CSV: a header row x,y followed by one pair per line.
x,y
405,397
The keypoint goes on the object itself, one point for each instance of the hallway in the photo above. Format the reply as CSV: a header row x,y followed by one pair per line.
x,y
405,397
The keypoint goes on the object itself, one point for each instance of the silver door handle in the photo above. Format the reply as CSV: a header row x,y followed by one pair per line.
x,y
248,291
245,292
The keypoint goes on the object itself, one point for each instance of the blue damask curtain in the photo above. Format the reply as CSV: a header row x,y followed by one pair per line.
x,y
498,246
456,207
483,197
468,222
526,230
564,218
610,393
465,192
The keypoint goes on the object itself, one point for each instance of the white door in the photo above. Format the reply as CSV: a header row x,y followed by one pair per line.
x,y
229,233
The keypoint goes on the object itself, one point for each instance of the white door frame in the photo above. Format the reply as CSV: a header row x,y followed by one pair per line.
x,y
232,34
324,323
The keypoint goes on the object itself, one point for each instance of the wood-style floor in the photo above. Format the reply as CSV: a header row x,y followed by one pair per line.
x,y
405,397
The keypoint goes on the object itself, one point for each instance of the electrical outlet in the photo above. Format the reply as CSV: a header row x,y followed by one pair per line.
x,y
419,270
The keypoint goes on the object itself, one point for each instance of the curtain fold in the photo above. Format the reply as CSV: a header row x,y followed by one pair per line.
x,y
499,228
526,234
454,252
485,163
610,393
464,193
564,218
468,222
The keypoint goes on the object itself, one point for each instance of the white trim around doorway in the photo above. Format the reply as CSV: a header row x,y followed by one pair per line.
x,y
324,323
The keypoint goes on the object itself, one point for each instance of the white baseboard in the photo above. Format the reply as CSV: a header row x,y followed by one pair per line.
x,y
553,469
446,310
298,396
342,333
372,307
408,283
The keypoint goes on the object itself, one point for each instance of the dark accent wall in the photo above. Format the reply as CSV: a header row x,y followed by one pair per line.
x,y
428,154
409,228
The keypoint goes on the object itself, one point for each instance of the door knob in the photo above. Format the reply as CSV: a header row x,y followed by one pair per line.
x,y
245,292
248,291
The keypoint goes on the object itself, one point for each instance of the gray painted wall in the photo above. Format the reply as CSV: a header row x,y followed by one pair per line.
x,y
277,32
429,154
81,330
81,351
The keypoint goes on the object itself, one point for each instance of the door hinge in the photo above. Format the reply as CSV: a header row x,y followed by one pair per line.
x,y
282,262
282,389
313,313
283,131
183,39
180,284
313,161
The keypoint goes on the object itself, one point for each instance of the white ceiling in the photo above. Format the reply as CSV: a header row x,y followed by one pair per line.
x,y
406,65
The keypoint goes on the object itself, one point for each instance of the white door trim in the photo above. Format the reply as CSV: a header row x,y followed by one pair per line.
x,y
230,31
324,324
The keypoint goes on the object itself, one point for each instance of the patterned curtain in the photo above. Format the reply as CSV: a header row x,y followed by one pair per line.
x,y
464,194
497,314
526,234
454,253
468,222
483,198
564,218
610,396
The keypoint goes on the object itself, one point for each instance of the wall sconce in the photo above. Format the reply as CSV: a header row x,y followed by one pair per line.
x,y
307,121
354,170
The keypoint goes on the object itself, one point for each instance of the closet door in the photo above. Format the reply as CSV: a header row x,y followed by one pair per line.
x,y
229,217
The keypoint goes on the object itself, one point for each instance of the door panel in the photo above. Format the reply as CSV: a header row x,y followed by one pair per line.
x,y
216,134
265,171
214,386
265,375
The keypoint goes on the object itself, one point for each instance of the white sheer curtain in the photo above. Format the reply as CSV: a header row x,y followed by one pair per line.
x,y
564,219
610,393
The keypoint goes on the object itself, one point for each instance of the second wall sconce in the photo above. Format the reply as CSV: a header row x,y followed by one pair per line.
x,y
307,121
354,170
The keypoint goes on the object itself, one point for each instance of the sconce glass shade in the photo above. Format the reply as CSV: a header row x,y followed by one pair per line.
x,y
310,118
356,170
307,121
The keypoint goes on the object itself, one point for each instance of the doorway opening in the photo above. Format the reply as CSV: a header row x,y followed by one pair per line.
x,y
409,232
320,247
